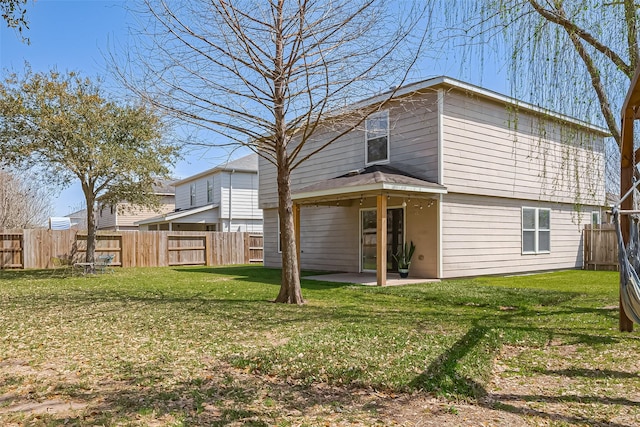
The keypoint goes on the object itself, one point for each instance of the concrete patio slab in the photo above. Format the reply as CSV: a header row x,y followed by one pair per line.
x,y
368,279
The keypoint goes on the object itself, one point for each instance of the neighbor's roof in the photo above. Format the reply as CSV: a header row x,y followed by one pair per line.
x,y
247,163
448,82
160,187
163,188
172,216
372,178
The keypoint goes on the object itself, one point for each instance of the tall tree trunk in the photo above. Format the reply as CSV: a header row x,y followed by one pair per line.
x,y
91,226
290,291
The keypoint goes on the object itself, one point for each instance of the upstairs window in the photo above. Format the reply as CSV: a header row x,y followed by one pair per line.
x,y
209,191
377,138
536,230
192,194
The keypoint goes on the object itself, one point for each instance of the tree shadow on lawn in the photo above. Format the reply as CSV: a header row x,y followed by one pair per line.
x,y
556,417
265,275
41,274
222,395
442,375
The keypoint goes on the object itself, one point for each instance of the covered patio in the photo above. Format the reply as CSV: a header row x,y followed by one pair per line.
x,y
367,279
375,189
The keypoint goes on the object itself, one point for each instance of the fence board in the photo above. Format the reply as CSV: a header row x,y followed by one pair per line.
x,y
255,247
11,250
600,247
34,248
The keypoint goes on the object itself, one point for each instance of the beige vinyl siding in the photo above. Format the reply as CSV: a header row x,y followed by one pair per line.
x,y
271,257
414,137
483,235
106,219
329,238
490,150
342,156
413,142
127,214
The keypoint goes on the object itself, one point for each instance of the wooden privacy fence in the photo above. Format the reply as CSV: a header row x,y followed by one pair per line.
x,y
35,248
600,247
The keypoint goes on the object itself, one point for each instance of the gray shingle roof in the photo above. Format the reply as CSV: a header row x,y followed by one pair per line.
x,y
376,174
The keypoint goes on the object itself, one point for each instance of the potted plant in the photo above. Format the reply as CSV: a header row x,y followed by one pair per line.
x,y
403,258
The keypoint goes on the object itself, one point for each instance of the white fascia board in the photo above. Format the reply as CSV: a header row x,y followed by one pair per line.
x,y
440,136
486,93
194,177
175,215
379,186
213,171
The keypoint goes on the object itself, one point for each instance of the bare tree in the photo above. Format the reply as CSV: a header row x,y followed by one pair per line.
x,y
265,74
23,203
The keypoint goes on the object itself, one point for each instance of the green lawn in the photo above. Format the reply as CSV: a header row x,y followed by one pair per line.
x,y
204,346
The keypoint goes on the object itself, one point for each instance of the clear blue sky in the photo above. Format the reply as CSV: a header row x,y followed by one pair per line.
x,y
76,35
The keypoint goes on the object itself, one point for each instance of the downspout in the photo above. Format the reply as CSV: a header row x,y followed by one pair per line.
x,y
230,188
440,263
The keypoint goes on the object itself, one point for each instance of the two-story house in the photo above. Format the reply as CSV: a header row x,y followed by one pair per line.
x,y
125,215
481,183
224,198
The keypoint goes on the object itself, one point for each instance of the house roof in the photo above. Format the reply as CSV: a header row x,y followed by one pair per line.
x,y
172,216
247,163
374,178
163,188
160,187
448,82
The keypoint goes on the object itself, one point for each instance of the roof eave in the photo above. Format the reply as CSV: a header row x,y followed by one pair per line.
x,y
171,216
361,189
433,83
213,171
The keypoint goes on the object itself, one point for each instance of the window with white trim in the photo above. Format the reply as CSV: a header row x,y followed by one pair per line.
x,y
192,194
536,230
595,218
377,138
209,191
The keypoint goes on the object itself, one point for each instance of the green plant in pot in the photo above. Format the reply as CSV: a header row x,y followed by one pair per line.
x,y
403,258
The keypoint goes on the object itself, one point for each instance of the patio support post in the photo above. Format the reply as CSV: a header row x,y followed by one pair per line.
x,y
296,226
626,181
381,243
629,114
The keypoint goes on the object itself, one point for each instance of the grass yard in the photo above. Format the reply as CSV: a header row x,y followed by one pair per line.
x,y
204,346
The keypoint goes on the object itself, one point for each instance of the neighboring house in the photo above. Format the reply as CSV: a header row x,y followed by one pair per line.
x,y
78,219
480,182
124,215
224,198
